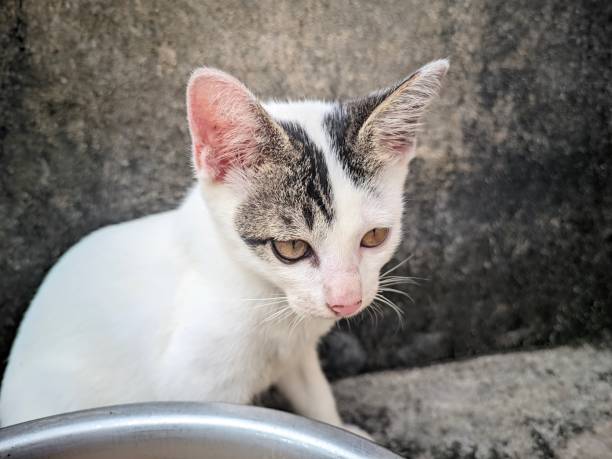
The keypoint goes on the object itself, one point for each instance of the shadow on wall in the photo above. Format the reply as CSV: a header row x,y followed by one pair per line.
x,y
509,203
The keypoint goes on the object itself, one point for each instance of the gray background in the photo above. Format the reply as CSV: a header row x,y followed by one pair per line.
x,y
509,212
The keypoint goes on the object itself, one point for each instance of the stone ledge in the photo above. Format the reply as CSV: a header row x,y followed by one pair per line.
x,y
555,403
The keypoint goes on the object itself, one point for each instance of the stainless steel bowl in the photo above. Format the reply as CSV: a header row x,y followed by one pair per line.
x,y
183,431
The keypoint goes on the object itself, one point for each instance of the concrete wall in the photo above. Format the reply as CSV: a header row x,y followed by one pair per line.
x,y
509,212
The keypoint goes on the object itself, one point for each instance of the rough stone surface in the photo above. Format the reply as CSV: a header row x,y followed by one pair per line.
x,y
550,404
342,354
509,204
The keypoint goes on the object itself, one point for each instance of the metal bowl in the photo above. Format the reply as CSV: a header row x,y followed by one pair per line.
x,y
183,431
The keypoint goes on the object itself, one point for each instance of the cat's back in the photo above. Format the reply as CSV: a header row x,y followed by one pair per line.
x,y
101,301
126,253
100,276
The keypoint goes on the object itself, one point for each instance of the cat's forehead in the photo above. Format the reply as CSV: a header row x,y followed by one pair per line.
x,y
333,128
309,190
308,115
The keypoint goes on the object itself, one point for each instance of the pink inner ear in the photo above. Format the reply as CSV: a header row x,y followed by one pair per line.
x,y
400,145
222,122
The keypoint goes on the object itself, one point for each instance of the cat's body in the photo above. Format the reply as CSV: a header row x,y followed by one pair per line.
x,y
141,315
195,303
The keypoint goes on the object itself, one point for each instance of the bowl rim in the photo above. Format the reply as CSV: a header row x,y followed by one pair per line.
x,y
151,420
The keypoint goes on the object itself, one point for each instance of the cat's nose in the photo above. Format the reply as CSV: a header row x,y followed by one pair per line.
x,y
342,290
344,310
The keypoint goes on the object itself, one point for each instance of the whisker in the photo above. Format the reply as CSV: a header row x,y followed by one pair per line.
x,y
392,305
411,279
399,292
386,283
401,263
295,324
245,307
269,303
292,322
376,308
263,299
348,323
284,317
278,314
372,315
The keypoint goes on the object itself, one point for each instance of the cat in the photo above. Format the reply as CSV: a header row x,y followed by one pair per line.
x,y
296,208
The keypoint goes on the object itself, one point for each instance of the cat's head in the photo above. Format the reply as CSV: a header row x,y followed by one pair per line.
x,y
309,194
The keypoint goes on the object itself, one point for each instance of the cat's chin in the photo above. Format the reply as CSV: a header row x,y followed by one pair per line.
x,y
349,316
326,315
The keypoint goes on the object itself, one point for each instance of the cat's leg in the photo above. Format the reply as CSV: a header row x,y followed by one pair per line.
x,y
183,374
310,394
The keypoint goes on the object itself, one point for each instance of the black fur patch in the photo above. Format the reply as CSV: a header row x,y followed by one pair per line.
x,y
343,125
308,216
254,242
312,170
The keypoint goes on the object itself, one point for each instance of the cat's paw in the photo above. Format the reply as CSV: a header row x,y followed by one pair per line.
x,y
358,431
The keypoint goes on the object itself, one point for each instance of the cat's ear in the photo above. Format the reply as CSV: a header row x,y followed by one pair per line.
x,y
228,126
393,123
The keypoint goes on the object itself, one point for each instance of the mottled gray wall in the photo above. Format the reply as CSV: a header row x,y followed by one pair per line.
x,y
510,201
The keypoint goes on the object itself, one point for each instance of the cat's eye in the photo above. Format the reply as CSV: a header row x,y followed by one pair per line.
x,y
375,237
291,251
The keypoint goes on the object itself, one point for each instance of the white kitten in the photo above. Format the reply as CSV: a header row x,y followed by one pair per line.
x,y
296,209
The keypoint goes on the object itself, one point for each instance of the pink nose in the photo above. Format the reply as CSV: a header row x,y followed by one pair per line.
x,y
344,310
